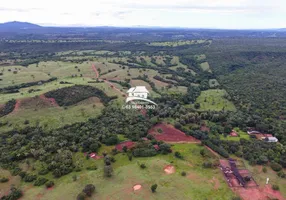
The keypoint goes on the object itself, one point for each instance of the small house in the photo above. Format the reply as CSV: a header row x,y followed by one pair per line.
x,y
138,91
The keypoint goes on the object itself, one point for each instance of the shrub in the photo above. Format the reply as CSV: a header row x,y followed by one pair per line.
x,y
50,184
142,166
81,196
40,181
124,148
14,194
30,178
178,155
4,180
281,174
89,189
154,188
236,198
43,172
275,166
275,187
130,157
183,173
264,169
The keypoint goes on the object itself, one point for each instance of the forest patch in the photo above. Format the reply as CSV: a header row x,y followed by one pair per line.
x,y
74,94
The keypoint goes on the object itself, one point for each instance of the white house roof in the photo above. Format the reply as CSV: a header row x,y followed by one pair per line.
x,y
272,138
138,89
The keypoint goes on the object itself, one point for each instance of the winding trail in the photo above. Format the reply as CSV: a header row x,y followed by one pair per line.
x,y
106,81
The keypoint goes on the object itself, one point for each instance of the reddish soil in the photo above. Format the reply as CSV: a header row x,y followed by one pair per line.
x,y
52,101
17,105
128,144
95,70
171,134
205,128
169,169
264,193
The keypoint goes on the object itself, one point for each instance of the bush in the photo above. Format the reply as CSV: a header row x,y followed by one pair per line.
x,y
183,173
4,180
30,178
50,184
81,196
89,189
124,148
178,155
142,166
275,166
264,169
154,188
281,174
236,198
40,181
43,172
14,194
275,187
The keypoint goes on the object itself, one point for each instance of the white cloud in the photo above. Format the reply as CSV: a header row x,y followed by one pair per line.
x,y
208,13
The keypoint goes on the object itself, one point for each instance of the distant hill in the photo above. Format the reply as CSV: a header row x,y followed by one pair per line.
x,y
18,25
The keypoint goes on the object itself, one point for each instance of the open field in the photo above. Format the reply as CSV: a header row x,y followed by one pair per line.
x,y
199,183
214,99
52,117
241,133
206,67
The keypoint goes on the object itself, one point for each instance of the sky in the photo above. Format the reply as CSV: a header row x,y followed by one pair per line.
x,y
226,14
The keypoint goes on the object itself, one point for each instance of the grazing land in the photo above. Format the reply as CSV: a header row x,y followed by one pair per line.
x,y
66,131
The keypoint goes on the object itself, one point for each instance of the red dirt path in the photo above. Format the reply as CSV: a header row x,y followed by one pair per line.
x,y
111,85
17,106
52,101
171,134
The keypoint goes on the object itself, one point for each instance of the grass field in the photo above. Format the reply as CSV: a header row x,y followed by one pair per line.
x,y
214,99
199,183
53,117
206,67
241,133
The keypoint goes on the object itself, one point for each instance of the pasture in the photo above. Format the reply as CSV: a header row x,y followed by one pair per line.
x,y
215,99
199,183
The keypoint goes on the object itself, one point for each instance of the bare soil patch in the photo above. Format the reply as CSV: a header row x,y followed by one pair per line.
x,y
128,144
169,169
263,193
136,187
171,134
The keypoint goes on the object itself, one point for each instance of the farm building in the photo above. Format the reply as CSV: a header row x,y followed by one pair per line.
x,y
138,91
271,139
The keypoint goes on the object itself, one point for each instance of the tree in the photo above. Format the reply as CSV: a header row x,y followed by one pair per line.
x,y
124,148
154,188
275,166
275,187
183,173
108,170
89,189
81,196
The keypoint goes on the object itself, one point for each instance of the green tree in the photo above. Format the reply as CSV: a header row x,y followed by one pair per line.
x,y
154,188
